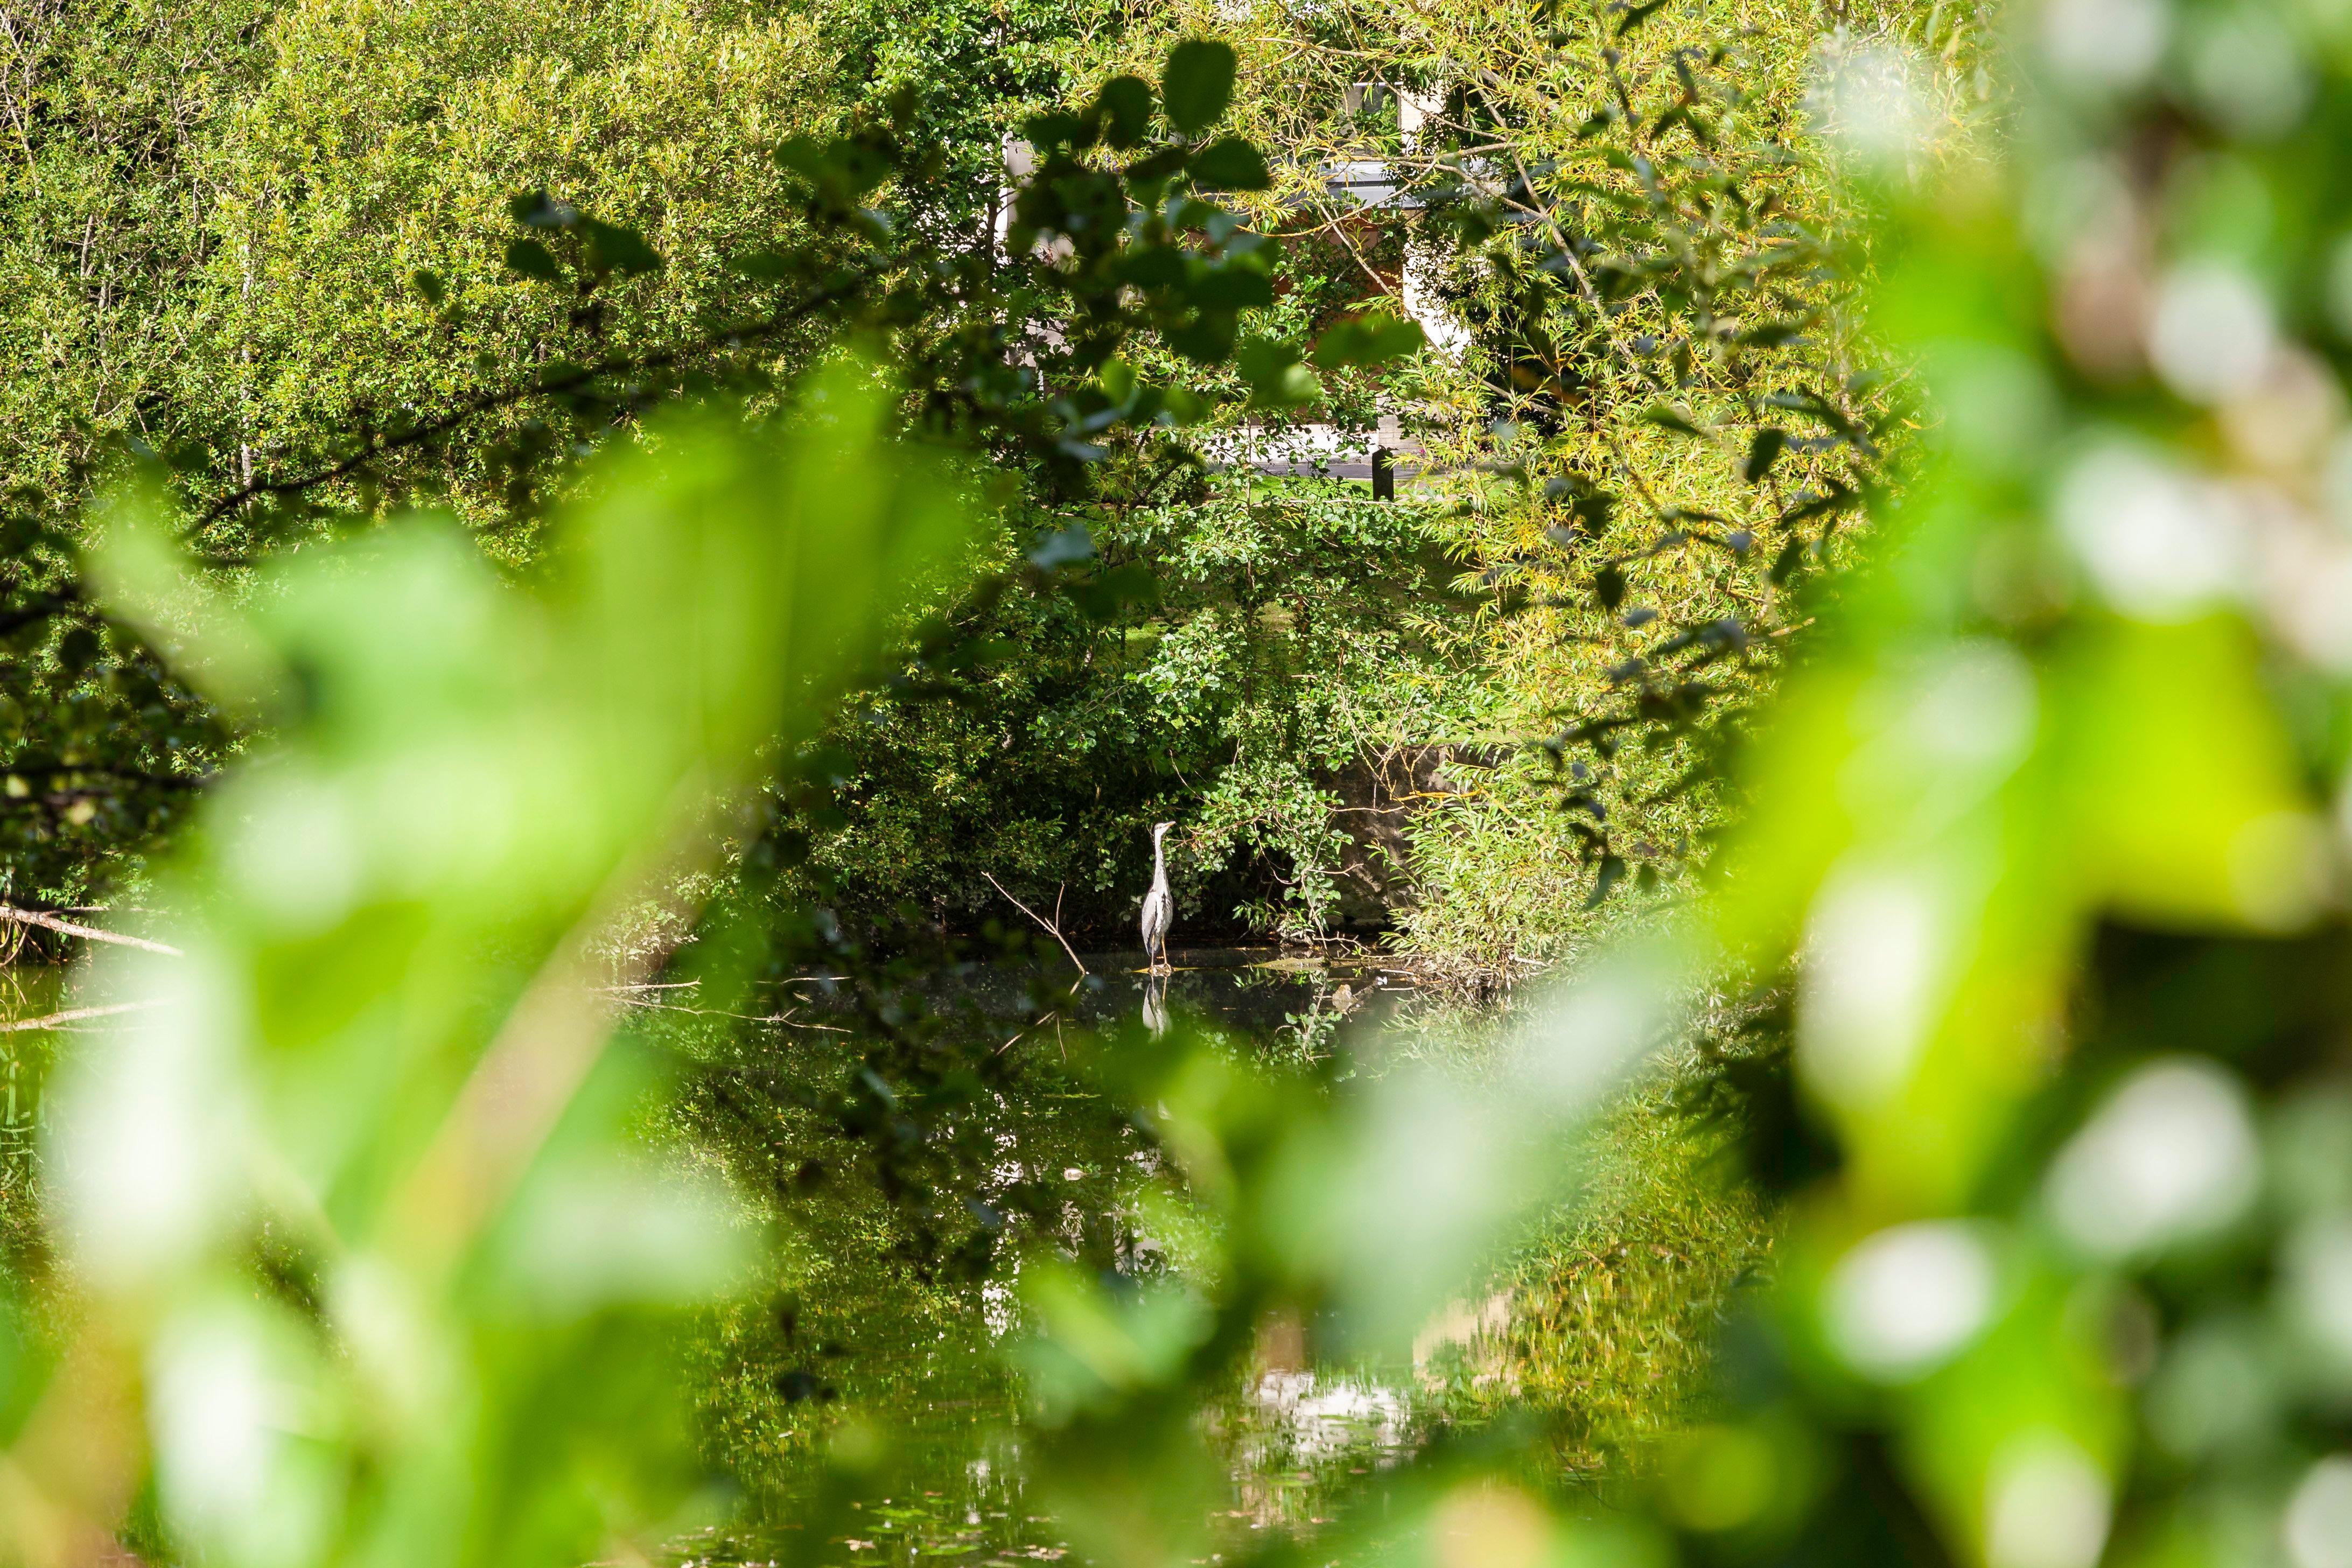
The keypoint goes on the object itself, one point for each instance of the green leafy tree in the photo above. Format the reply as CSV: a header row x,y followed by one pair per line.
x,y
384,1190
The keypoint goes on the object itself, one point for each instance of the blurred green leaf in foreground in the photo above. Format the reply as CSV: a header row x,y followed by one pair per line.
x,y
2036,893
369,1267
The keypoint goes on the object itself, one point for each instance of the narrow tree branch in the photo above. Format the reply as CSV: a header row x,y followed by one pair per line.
x,y
91,933
73,1016
376,446
33,767
1053,928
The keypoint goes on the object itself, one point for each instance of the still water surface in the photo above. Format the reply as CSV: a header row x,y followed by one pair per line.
x,y
866,1406
886,1363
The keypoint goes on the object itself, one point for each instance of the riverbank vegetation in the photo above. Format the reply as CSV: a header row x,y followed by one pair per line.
x,y
322,292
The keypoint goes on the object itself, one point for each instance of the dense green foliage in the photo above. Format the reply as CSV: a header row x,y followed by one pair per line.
x,y
1268,641
336,201
238,235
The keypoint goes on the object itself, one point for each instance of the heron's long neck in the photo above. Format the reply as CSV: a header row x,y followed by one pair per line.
x,y
1159,861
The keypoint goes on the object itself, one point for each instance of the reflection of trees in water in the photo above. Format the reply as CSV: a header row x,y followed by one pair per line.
x,y
909,1149
1292,1423
906,1171
26,992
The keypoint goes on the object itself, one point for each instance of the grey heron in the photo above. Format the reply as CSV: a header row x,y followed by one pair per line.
x,y
1159,904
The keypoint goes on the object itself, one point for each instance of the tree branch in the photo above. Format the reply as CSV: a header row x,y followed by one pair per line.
x,y
377,446
69,928
1052,927
73,1016
34,766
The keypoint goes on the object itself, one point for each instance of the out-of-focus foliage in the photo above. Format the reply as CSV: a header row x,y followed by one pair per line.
x,y
2038,839
2086,685
2019,970
368,1264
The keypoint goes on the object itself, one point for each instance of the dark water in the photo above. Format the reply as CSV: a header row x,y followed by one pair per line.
x,y
908,1152
1258,991
27,993
870,1405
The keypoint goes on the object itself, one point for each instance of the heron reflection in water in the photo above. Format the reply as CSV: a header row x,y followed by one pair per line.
x,y
1155,1005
